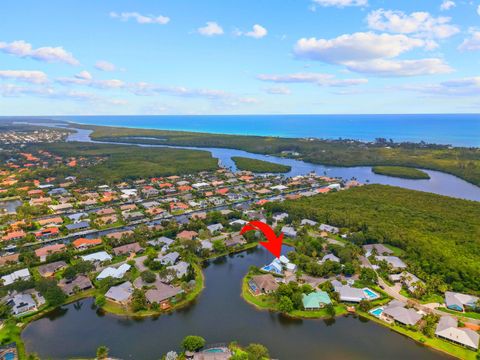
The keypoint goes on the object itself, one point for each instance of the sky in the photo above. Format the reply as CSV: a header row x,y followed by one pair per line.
x,y
114,57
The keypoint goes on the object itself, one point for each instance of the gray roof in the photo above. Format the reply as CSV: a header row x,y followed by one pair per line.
x,y
348,293
169,259
120,293
78,225
447,329
162,292
460,300
51,268
394,261
21,303
181,268
380,248
161,240
396,310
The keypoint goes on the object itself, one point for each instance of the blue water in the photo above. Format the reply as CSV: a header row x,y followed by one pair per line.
x,y
377,312
454,129
370,294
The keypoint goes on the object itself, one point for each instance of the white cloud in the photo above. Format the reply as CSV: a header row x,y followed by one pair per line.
x,y
86,79
469,86
361,46
23,49
103,65
278,90
314,78
478,10
31,76
393,68
141,19
417,23
210,29
372,53
341,3
257,32
472,43
447,5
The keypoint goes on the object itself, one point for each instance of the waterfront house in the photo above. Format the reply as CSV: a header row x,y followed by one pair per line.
x,y
22,303
315,300
263,284
234,240
100,256
119,235
46,233
396,311
116,273
49,270
458,302
82,243
57,220
162,294
448,329
80,283
81,225
280,217
181,269
14,235
348,293
22,274
120,294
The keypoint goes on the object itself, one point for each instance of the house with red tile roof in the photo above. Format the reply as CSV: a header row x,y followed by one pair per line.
x,y
83,243
43,252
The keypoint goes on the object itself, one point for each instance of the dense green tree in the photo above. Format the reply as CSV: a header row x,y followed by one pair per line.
x,y
139,301
102,352
193,343
148,276
257,352
285,305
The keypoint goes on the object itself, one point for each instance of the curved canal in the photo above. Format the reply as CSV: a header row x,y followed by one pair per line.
x,y
220,315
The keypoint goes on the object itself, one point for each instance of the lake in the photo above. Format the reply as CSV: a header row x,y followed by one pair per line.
x,y
219,315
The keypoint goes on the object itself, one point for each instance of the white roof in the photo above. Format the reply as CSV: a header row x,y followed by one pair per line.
x,y
98,256
284,259
116,273
22,274
200,184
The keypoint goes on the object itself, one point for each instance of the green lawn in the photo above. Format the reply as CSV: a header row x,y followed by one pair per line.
x,y
467,314
400,172
259,166
444,346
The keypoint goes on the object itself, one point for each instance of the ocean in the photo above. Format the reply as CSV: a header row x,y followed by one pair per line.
x,y
454,129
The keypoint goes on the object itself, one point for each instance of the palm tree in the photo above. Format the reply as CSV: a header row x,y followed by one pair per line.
x,y
102,352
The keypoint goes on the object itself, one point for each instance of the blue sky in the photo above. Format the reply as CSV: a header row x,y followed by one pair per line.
x,y
239,57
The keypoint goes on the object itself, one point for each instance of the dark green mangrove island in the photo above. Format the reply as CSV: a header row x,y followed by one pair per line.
x,y
401,172
259,166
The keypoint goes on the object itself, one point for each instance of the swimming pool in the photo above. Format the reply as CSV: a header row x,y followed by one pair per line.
x,y
214,350
377,312
272,269
9,356
371,295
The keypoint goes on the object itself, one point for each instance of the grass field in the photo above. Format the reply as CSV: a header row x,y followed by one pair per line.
x,y
259,166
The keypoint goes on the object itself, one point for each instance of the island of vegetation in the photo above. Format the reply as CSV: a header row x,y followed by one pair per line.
x,y
259,166
459,161
401,172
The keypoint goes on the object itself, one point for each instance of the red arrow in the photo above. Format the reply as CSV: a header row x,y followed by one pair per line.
x,y
273,243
